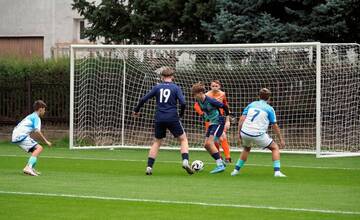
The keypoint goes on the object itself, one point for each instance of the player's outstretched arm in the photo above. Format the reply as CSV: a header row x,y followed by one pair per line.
x,y
181,99
182,110
40,134
241,122
143,100
278,134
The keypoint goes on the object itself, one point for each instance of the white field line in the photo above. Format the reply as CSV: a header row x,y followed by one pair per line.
x,y
177,162
327,211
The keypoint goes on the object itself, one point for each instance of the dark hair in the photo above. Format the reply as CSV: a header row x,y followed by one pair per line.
x,y
216,81
198,88
39,104
264,94
167,71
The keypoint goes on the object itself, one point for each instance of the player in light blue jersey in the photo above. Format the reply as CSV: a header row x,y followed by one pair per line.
x,y
21,136
253,126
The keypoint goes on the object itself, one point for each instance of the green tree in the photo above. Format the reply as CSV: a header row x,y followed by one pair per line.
x,y
336,21
195,12
238,21
147,21
109,20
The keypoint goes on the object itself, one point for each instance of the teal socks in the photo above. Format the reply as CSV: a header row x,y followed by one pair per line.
x,y
240,163
32,161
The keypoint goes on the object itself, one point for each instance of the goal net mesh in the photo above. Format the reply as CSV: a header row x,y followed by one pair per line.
x,y
108,82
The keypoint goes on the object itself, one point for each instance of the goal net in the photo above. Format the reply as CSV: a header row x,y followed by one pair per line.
x,y
315,92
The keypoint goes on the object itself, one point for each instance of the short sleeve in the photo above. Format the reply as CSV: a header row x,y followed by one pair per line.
x,y
245,112
36,123
272,116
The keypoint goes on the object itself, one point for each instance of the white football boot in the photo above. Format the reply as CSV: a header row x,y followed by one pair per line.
x,y
279,174
28,170
148,171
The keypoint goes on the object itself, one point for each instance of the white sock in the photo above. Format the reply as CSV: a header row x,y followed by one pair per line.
x,y
219,162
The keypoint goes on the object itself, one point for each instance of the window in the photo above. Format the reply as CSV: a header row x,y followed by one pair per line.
x,y
82,29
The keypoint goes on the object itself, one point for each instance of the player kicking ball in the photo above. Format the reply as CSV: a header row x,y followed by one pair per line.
x,y
167,94
252,130
21,136
211,109
220,96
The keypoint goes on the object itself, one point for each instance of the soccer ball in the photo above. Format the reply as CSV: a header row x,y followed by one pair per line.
x,y
197,165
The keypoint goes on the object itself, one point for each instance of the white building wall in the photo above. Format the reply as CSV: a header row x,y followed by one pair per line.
x,y
52,19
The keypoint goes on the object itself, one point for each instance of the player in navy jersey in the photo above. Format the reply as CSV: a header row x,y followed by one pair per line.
x,y
211,108
167,94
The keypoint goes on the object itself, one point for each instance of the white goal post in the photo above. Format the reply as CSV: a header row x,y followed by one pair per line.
x,y
315,87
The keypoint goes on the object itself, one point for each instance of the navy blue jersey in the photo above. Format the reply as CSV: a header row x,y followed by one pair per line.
x,y
167,95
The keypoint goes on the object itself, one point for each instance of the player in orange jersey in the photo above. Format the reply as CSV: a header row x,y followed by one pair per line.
x,y
220,96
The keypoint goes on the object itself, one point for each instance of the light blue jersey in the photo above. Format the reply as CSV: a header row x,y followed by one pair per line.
x,y
29,124
259,115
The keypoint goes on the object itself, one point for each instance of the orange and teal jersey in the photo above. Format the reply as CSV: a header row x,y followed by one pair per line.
x,y
219,96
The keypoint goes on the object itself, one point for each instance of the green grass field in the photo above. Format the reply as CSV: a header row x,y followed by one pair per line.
x,y
104,184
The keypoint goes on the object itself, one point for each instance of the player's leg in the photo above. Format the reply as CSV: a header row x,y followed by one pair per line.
x,y
217,144
153,152
274,147
160,133
246,141
184,149
214,131
33,159
241,161
31,146
225,146
178,131
213,151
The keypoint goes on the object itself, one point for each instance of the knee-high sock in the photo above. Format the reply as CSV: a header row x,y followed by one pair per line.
x,y
276,165
32,161
226,148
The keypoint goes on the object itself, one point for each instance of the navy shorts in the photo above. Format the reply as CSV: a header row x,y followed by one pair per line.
x,y
174,127
215,130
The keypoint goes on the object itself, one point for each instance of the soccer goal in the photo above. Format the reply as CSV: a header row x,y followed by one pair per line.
x,y
315,87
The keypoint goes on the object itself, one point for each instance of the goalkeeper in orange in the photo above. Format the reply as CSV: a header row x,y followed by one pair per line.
x,y
220,96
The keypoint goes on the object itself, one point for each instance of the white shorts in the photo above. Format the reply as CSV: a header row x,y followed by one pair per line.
x,y
27,144
262,141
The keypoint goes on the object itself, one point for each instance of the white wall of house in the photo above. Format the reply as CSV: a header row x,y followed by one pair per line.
x,y
52,19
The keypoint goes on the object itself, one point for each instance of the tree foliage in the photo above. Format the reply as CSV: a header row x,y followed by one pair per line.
x,y
147,21
239,21
221,21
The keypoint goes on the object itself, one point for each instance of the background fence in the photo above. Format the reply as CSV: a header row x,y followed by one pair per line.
x,y
16,101
24,81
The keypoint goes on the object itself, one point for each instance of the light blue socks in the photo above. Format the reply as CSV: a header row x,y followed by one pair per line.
x,y
32,161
